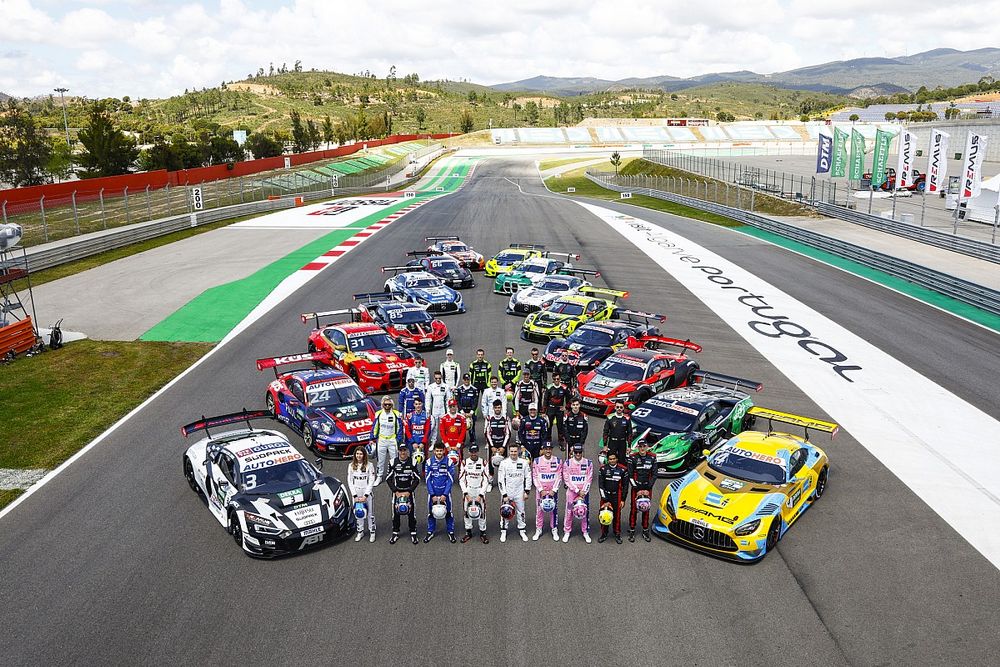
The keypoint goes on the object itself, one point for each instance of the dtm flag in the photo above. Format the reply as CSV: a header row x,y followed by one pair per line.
x,y
882,141
904,165
937,161
824,154
857,156
972,175
839,168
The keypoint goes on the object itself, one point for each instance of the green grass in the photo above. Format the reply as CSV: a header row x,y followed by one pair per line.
x,y
552,164
47,418
587,188
7,496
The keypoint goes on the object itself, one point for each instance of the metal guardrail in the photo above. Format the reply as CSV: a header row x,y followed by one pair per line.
x,y
962,290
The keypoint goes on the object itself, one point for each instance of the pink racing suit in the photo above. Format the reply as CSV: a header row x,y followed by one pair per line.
x,y
546,474
577,476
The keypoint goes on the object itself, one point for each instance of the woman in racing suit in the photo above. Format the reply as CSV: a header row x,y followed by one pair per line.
x,y
578,474
360,480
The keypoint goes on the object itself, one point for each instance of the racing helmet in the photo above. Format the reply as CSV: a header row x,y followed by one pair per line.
x,y
439,510
453,457
473,509
606,516
603,458
548,504
360,511
497,460
642,503
580,508
402,505
370,449
507,510
418,456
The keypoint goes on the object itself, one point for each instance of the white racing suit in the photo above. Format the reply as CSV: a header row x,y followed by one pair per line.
x,y
513,479
437,396
489,395
388,433
360,483
451,373
474,479
421,377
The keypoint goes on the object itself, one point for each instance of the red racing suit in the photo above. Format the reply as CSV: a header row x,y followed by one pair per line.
x,y
453,429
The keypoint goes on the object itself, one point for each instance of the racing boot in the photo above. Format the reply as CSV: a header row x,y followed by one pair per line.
x,y
428,537
586,538
618,538
646,536
357,538
483,537
467,536
555,534
413,536
524,536
631,536
538,533
566,537
503,535
371,538
451,537
604,536
394,538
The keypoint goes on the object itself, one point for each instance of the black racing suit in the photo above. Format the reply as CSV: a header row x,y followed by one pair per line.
x,y
533,433
467,397
403,477
642,477
535,370
526,394
555,408
575,428
498,434
613,484
509,371
617,435
480,372
567,373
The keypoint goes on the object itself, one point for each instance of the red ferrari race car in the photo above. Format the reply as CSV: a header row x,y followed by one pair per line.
x,y
408,324
917,182
636,373
361,349
324,406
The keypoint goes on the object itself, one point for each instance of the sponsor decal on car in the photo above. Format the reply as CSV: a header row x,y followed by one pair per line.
x,y
756,456
731,484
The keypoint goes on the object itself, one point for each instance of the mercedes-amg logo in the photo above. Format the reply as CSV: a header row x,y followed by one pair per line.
x,y
699,533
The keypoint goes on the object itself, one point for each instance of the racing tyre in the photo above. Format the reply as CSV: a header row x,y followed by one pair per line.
x,y
269,404
235,530
824,474
308,439
773,533
189,476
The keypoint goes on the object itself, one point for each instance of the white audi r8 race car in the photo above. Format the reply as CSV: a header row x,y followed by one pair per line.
x,y
267,496
545,289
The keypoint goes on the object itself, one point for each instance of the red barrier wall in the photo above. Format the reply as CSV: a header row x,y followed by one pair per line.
x,y
114,185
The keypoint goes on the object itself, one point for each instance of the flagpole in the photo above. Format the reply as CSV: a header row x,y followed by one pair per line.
x,y
923,202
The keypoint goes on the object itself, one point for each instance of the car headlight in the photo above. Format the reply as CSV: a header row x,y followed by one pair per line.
x,y
421,300
458,299
748,528
670,506
370,373
260,524
564,327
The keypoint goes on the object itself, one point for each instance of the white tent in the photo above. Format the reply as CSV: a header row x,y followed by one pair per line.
x,y
982,208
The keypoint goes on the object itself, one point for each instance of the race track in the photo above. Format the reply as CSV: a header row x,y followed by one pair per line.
x,y
116,561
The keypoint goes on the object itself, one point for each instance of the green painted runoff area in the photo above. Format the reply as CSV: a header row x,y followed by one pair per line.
x,y
216,311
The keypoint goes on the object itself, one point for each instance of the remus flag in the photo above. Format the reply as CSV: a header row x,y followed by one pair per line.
x,y
857,156
937,161
839,168
904,165
972,173
824,154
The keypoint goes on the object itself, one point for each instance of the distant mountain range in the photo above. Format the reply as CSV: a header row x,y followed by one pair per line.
x,y
4,96
861,77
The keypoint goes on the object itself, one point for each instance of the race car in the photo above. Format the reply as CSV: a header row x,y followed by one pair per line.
x,y
417,286
592,343
635,374
406,323
561,317
679,424
267,496
324,406
547,288
918,181
362,350
447,268
739,501
531,270
452,245
507,258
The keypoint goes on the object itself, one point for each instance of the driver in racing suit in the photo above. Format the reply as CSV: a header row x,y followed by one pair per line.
x,y
566,371
533,432
450,369
476,482
546,473
526,394
514,482
408,395
417,430
613,485
641,477
509,369
617,432
387,433
497,433
493,393
439,477
421,374
578,473
575,426
534,368
437,396
556,397
453,430
468,401
403,480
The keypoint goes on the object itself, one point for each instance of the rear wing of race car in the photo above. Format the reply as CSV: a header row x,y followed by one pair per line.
x,y
527,246
573,271
435,239
275,362
401,269
316,317
425,253
711,377
795,420
206,423
614,294
556,253
656,342
371,297
636,315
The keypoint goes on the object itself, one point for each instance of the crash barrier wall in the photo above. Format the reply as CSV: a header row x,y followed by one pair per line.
x,y
46,220
823,196
78,247
962,290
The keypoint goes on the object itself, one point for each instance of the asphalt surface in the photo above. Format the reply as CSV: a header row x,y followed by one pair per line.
x,y
116,561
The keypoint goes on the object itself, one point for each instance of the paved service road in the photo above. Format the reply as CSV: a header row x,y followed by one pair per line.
x,y
115,560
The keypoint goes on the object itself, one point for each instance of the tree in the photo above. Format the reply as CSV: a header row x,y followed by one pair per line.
x,y
531,113
466,122
224,149
341,133
300,135
854,118
262,145
315,136
298,66
890,115
327,129
421,117
107,150
24,150
725,117
616,160
60,163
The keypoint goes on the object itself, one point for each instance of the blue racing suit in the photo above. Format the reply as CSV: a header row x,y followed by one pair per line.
x,y
406,398
439,475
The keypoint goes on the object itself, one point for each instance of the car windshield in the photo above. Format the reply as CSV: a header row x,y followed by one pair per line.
x,y
275,479
333,393
349,411
566,308
444,264
532,268
748,465
665,416
454,247
554,285
621,370
375,340
407,316
592,336
506,258
423,283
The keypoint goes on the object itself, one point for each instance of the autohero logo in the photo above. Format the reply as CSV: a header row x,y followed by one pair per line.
x,y
763,319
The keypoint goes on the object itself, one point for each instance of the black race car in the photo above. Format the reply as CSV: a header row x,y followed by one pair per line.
x,y
592,343
449,269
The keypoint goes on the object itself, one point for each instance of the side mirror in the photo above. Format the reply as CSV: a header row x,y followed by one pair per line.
x,y
318,463
223,484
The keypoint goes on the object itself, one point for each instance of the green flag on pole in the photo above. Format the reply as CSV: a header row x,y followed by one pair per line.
x,y
881,159
857,156
839,168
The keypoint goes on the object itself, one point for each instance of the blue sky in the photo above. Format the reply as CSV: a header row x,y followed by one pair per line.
x,y
144,48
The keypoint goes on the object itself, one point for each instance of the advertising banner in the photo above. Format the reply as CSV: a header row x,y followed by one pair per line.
x,y
839,168
824,154
937,161
857,156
